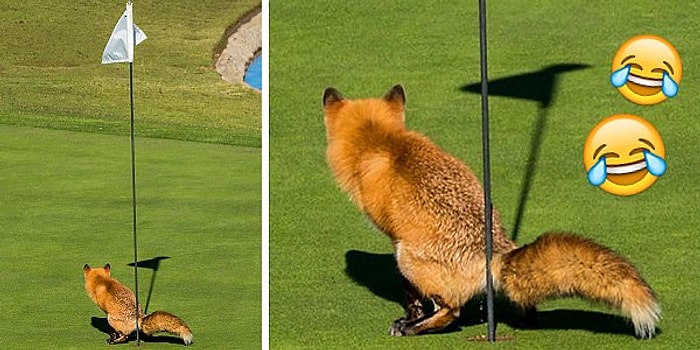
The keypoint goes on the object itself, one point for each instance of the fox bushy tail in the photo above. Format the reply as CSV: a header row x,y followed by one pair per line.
x,y
560,265
161,321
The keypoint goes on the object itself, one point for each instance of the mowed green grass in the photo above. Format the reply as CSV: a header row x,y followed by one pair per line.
x,y
331,278
51,75
66,201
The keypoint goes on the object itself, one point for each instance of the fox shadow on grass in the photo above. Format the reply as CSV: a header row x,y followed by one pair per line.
x,y
538,86
380,274
101,324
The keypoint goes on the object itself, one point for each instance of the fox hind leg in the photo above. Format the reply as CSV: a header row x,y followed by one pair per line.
x,y
122,328
443,316
116,338
414,301
415,309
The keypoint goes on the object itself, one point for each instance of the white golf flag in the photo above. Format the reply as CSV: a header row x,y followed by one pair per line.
x,y
126,35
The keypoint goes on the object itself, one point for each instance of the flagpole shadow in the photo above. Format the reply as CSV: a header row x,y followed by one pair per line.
x,y
538,86
152,264
535,141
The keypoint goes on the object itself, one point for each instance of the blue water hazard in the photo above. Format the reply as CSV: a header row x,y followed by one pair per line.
x,y
253,75
668,86
598,173
619,77
655,164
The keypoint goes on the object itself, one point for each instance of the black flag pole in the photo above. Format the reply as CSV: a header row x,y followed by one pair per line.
x,y
133,198
120,49
487,172
133,183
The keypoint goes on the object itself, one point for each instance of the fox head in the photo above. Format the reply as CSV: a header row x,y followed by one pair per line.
x,y
344,115
90,272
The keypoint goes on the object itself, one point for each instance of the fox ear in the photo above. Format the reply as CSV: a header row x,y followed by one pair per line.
x,y
396,94
331,96
86,267
107,267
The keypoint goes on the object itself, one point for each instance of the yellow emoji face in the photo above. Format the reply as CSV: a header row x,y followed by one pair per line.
x,y
624,155
646,70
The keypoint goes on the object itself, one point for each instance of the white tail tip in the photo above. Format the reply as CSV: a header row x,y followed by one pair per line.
x,y
645,321
187,338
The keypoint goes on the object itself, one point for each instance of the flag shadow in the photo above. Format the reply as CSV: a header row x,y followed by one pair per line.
x,y
380,275
151,264
539,86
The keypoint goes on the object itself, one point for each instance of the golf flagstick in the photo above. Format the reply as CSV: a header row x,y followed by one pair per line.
x,y
120,49
133,199
487,172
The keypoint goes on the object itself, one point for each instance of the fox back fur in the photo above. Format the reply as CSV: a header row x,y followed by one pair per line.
x,y
431,206
119,303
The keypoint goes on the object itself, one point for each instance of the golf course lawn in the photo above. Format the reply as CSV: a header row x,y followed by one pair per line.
x,y
66,201
333,281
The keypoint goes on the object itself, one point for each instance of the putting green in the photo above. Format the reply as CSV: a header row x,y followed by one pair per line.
x,y
65,200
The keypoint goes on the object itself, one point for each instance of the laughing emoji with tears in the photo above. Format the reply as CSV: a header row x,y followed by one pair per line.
x,y
624,155
646,70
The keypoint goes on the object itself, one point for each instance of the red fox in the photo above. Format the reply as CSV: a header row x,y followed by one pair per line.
x,y
431,206
119,303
